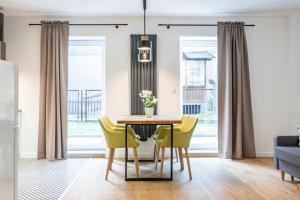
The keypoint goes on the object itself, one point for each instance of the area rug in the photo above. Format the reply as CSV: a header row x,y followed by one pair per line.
x,y
44,180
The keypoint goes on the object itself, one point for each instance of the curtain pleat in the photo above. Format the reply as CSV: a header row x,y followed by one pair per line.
x,y
52,133
236,135
143,77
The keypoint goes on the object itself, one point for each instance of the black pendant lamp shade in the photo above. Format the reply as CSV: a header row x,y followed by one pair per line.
x,y
145,45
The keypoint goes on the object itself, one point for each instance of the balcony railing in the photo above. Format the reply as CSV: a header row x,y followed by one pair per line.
x,y
84,105
198,99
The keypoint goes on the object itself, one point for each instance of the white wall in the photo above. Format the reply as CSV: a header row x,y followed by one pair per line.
x,y
268,56
294,79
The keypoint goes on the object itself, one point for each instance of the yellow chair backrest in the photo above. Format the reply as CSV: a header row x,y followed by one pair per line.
x,y
108,123
115,137
182,134
105,129
185,118
187,129
190,126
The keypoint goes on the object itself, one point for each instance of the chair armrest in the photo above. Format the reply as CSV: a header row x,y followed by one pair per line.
x,y
181,139
116,139
163,131
132,132
120,126
129,131
286,140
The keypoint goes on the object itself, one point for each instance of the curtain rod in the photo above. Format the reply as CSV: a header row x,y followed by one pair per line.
x,y
169,25
116,25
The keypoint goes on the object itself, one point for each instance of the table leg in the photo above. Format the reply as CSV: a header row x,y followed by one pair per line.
x,y
171,151
126,152
148,179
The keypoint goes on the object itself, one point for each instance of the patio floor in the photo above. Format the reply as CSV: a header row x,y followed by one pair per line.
x,y
97,143
87,136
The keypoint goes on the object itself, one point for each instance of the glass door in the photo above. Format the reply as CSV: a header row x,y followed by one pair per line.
x,y
85,93
199,89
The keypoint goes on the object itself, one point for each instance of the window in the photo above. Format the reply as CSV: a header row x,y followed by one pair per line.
x,y
85,93
199,89
194,73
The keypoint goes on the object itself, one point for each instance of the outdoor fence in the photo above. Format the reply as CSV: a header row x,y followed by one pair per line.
x,y
84,105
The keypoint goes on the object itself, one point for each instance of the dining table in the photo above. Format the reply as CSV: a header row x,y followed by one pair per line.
x,y
157,120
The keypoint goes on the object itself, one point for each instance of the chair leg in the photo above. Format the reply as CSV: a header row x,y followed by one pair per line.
x,y
188,162
282,175
112,158
292,178
154,153
108,163
176,153
136,162
181,159
157,155
162,160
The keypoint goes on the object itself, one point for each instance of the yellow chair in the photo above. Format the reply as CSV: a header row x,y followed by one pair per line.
x,y
161,134
111,124
115,138
181,139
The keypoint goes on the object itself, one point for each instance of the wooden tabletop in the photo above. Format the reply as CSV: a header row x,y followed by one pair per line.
x,y
142,119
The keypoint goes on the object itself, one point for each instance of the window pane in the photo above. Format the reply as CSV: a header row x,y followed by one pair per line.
x,y
195,72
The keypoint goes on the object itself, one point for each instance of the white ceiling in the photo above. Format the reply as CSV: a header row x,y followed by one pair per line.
x,y
155,7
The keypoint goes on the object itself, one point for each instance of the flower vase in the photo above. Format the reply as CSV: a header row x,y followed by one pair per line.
x,y
149,111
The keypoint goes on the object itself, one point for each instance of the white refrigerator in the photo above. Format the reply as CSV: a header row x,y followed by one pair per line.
x,y
9,129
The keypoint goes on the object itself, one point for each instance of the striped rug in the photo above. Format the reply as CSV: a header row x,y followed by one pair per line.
x,y
44,180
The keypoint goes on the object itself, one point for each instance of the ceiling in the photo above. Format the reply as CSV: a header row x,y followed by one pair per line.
x,y
155,7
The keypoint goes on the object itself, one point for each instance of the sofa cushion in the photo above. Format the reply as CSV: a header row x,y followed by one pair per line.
x,y
289,154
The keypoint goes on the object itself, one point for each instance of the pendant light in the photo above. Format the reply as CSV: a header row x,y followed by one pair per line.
x,y
144,44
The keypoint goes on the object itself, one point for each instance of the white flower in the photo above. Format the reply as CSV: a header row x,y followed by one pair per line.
x,y
147,98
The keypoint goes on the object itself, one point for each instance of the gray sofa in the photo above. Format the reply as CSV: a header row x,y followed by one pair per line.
x,y
287,156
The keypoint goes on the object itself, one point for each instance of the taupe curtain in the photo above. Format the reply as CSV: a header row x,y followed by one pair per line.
x,y
236,137
143,76
52,135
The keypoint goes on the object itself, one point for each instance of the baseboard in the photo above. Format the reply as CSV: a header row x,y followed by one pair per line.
x,y
192,153
86,154
149,155
28,155
264,154
146,155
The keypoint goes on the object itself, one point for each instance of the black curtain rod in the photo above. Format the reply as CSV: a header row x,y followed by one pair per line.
x,y
116,25
169,25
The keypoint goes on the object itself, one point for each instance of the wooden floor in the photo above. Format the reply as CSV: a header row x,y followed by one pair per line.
x,y
213,178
